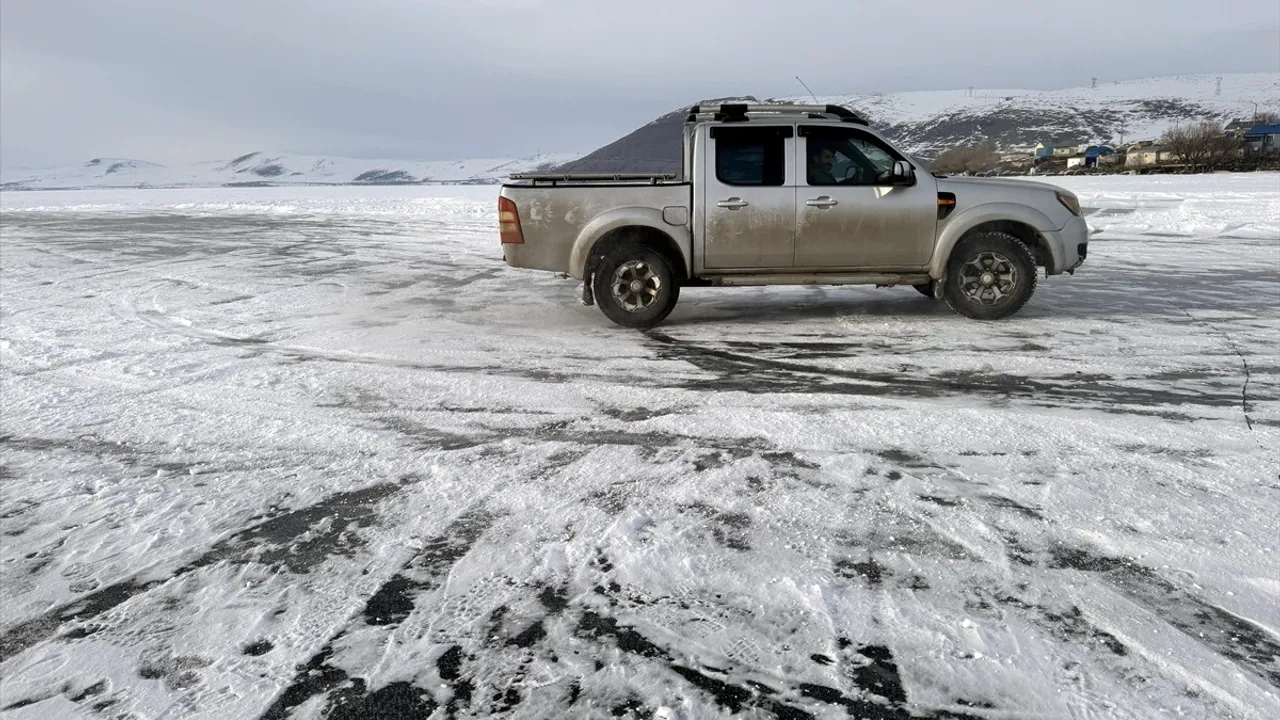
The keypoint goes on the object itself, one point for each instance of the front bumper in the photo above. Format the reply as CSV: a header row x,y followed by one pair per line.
x,y
1070,245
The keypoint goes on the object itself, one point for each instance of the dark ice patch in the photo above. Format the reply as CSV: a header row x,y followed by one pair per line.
x,y
177,672
449,664
260,647
905,458
595,626
719,458
95,689
937,500
869,570
391,603
529,636
1011,504
395,700
633,707
554,599
634,414
1071,624
880,675
730,697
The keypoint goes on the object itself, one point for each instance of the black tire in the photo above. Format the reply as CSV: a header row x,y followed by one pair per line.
x,y
1011,285
925,289
653,272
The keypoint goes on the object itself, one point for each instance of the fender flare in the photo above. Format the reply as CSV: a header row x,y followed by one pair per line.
x,y
970,218
606,222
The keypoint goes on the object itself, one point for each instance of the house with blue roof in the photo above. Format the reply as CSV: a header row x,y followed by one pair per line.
x,y
1093,152
1262,140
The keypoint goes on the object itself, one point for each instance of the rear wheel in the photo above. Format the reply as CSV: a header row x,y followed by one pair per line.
x,y
635,286
990,276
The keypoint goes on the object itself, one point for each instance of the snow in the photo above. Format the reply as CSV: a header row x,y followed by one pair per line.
x,y
278,452
271,169
1143,105
1239,92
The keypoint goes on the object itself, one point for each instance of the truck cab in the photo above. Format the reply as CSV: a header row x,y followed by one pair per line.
x,y
790,194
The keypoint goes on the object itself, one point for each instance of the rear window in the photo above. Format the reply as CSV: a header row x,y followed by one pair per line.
x,y
751,155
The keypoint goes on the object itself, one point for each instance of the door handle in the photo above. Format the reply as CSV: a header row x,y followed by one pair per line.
x,y
733,203
823,201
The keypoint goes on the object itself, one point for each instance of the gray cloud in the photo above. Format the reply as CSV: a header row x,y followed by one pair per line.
x,y
435,79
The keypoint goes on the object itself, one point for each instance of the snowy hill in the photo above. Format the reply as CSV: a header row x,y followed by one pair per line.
x,y
259,169
926,123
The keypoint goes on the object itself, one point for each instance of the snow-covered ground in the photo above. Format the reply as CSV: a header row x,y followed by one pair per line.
x,y
295,451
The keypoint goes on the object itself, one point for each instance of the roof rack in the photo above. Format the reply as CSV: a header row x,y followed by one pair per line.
x,y
737,112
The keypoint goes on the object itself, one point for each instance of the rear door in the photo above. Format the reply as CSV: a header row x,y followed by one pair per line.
x,y
848,216
749,196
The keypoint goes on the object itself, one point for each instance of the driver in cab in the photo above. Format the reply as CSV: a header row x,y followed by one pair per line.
x,y
822,163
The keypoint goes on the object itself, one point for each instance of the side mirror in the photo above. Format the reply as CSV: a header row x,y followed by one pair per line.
x,y
903,173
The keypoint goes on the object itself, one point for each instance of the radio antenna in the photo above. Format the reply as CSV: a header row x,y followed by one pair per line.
x,y
806,87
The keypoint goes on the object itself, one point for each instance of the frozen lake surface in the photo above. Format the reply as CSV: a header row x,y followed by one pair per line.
x,y
318,453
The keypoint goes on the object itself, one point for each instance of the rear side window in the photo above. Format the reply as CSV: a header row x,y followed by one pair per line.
x,y
751,155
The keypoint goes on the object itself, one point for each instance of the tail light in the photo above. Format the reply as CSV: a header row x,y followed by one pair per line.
x,y
509,222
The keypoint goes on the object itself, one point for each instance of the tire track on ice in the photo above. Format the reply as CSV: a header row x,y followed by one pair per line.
x,y
384,611
265,542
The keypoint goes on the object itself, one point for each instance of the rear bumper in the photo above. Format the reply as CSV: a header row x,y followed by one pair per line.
x,y
1070,245
528,256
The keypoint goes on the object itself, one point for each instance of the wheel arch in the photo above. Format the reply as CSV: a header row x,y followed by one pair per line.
x,y
644,226
1022,222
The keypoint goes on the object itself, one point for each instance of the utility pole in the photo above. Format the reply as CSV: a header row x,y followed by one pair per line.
x,y
1218,92
1095,83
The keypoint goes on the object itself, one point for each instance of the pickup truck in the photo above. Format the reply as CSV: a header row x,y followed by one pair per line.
x,y
790,195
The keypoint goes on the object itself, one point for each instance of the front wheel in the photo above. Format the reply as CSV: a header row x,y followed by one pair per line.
x,y
635,286
990,276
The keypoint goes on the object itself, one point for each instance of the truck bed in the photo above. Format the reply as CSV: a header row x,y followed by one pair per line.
x,y
595,178
554,214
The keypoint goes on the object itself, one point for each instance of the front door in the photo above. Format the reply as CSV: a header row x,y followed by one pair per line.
x,y
848,216
749,197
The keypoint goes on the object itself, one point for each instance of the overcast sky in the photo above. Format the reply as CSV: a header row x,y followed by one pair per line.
x,y
173,81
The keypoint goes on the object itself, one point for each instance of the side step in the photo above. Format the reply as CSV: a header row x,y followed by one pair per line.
x,y
820,279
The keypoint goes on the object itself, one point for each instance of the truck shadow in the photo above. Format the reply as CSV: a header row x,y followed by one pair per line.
x,y
733,307
1119,294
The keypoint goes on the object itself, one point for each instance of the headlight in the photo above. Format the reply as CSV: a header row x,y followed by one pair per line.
x,y
1069,201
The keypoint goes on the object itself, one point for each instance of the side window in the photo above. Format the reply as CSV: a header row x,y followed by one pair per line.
x,y
751,155
874,154
840,156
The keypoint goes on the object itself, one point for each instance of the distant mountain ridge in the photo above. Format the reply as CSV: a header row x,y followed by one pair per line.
x,y
927,122
257,169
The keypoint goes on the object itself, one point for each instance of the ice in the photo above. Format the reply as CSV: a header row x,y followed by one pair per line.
x,y
300,452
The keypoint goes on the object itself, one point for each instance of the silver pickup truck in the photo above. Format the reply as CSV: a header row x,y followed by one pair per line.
x,y
790,195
